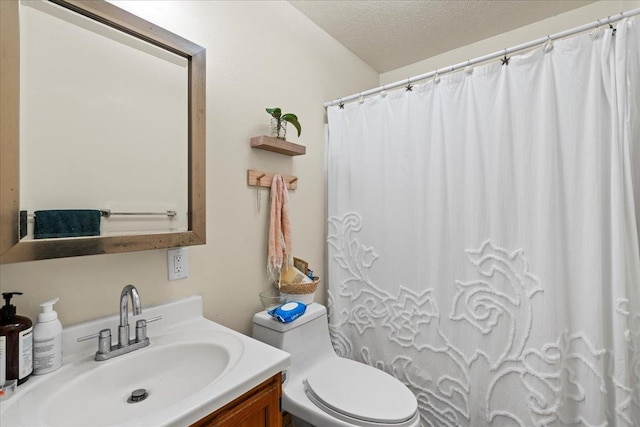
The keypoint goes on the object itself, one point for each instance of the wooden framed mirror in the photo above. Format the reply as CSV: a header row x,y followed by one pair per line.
x,y
15,249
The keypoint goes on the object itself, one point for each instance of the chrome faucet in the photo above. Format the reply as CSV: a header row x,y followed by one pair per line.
x,y
125,345
123,329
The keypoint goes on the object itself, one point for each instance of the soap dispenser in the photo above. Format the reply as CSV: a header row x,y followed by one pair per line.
x,y
47,340
16,343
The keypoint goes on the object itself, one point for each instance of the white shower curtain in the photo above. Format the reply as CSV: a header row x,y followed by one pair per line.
x,y
483,237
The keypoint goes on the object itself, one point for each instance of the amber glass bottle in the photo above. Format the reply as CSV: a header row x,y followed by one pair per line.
x,y
16,342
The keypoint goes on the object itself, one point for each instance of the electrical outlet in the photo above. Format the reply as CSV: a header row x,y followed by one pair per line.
x,y
177,263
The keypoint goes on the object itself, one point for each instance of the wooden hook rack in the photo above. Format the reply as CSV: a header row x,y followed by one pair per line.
x,y
260,178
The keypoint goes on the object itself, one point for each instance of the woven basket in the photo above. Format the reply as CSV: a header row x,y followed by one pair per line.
x,y
298,288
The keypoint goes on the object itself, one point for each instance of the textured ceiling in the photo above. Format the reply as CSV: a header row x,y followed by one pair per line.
x,y
391,34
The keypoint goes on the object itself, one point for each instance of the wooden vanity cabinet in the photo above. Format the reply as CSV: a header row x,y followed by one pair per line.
x,y
259,407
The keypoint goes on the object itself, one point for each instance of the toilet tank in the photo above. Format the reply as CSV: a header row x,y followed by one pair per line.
x,y
306,339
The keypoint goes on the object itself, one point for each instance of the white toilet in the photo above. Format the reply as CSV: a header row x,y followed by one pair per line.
x,y
324,390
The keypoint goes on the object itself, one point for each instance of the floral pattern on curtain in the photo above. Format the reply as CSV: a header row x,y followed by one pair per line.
x,y
483,240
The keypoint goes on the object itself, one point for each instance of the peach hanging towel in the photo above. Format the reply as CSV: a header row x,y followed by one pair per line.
x,y
279,229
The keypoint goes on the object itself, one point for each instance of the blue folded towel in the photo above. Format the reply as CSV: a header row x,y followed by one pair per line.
x,y
66,223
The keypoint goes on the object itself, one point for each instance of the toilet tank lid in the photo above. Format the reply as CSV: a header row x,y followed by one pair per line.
x,y
313,311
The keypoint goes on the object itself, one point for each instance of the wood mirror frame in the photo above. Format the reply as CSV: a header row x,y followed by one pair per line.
x,y
14,250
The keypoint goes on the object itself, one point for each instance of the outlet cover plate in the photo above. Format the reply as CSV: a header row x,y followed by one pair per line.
x,y
177,263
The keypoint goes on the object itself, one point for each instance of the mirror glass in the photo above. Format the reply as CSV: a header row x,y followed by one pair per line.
x,y
99,110
103,123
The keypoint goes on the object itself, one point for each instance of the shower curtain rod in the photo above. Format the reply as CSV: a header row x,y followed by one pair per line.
x,y
586,27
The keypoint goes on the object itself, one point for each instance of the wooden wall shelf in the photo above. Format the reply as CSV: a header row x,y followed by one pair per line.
x,y
264,179
277,145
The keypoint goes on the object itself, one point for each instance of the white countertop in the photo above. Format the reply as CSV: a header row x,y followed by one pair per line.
x,y
257,363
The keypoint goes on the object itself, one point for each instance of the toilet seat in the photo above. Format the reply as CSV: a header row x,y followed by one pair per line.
x,y
360,394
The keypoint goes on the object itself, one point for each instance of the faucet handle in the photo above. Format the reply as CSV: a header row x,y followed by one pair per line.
x,y
104,340
143,322
141,328
153,319
102,334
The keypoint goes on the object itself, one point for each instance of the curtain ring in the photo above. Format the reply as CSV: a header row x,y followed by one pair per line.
x,y
505,59
468,69
611,27
436,78
548,46
360,98
409,86
597,32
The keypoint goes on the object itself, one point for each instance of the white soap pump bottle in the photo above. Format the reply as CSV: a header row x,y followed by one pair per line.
x,y
47,340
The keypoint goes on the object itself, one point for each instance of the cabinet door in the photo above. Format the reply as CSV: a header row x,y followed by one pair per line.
x,y
259,407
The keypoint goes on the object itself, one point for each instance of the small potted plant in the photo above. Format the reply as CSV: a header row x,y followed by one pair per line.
x,y
279,122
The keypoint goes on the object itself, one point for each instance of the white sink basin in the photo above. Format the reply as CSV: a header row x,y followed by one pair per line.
x,y
191,368
171,369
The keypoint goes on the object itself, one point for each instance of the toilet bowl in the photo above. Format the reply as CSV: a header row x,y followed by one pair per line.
x,y
324,390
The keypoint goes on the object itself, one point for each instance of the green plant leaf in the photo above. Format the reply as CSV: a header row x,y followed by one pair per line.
x,y
275,112
291,118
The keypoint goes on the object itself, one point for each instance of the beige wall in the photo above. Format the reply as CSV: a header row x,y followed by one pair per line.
x,y
259,54
558,23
